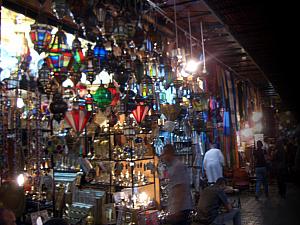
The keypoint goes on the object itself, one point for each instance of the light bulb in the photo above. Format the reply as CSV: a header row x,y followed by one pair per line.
x,y
191,66
21,179
20,103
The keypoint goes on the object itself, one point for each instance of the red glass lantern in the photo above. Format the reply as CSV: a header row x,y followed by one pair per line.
x,y
77,119
40,35
114,93
60,58
140,112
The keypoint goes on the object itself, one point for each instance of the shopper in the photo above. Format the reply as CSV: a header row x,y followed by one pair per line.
x,y
213,163
179,198
7,217
280,163
260,170
211,201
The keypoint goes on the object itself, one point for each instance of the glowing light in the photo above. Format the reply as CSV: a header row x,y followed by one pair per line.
x,y
21,179
68,83
247,132
20,103
192,66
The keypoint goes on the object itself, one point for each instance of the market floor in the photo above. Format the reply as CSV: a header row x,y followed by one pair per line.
x,y
274,210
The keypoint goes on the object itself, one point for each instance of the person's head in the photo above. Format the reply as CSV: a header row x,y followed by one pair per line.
x,y
221,182
7,217
168,153
214,145
259,144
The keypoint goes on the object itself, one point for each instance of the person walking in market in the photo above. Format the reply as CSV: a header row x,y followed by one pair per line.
x,y
260,170
180,198
213,163
281,167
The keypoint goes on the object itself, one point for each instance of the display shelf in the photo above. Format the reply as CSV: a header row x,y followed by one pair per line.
x,y
91,185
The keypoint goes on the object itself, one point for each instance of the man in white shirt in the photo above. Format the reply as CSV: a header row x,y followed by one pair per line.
x,y
213,163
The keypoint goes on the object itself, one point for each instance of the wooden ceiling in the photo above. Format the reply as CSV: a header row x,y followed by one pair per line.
x,y
236,33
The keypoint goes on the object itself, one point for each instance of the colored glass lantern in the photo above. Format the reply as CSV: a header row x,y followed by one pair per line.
x,y
60,57
140,112
40,35
77,51
77,119
102,97
89,102
115,94
100,55
89,61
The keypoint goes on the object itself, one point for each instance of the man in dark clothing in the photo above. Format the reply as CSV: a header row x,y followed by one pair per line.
x,y
260,170
280,163
210,202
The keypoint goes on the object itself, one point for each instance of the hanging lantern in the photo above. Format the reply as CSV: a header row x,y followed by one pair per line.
x,y
77,119
140,112
120,31
100,13
77,51
40,35
122,75
115,94
61,9
139,70
78,103
89,102
102,97
90,67
58,107
100,55
44,75
60,57
147,87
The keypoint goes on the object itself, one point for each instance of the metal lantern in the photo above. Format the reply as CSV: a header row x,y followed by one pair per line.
x,y
60,57
58,107
61,9
40,35
102,97
121,76
44,75
120,33
89,62
100,13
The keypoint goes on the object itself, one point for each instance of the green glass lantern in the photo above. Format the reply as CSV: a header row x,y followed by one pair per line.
x,y
102,97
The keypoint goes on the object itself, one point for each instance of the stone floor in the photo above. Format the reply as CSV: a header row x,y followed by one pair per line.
x,y
272,210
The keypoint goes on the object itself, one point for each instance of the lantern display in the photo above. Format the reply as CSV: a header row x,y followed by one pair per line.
x,y
102,97
89,102
60,57
140,112
77,119
40,35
